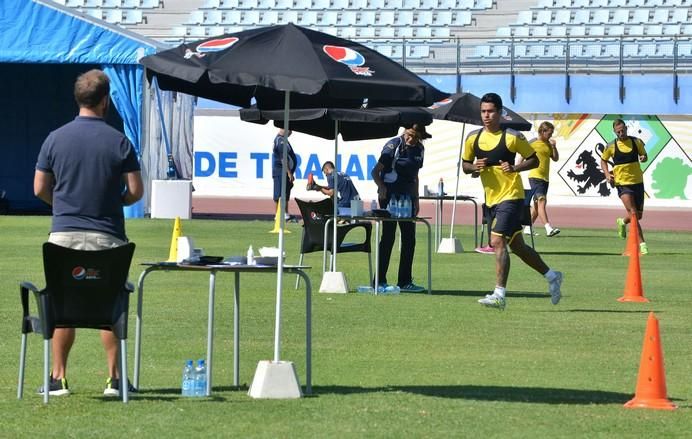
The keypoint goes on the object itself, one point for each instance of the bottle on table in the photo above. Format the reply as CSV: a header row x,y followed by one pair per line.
x,y
250,256
441,187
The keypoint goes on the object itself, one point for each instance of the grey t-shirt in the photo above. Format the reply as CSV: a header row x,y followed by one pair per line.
x,y
87,158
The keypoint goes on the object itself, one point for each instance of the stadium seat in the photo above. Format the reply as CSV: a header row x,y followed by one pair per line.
x,y
680,16
621,16
308,18
539,31
671,29
654,30
580,3
197,31
385,18
640,16
423,32
424,18
582,16
251,18
504,32
397,51
404,18
320,4
481,51
544,17
359,4
232,17
329,18
213,17
461,18
247,4
558,31
443,18
289,17
367,18
535,50
114,16
302,4
366,32
563,17
636,29
521,31
428,4
665,50
404,32
229,4
500,51
348,32
441,32
591,50
446,4
575,50
269,18
284,4
195,17
647,50
216,30
348,18
149,4
394,4
375,4
411,4
615,30
387,33
600,16
419,51
577,31
384,49
596,31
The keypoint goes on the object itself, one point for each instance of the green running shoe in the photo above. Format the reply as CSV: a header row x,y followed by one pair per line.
x,y
643,249
622,228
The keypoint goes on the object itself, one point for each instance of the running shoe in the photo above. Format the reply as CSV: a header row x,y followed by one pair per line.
x,y
487,250
554,232
622,228
643,248
554,288
56,387
412,288
113,387
493,301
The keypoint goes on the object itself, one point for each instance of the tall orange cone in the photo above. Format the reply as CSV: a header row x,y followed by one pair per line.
x,y
632,245
177,233
651,390
633,282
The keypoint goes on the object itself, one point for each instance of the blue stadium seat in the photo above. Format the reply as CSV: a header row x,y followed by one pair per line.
x,y
368,18
132,17
394,4
308,18
366,32
375,4
266,4
671,29
385,18
483,4
481,51
555,50
348,32
577,31
411,4
384,49
289,17
397,51
500,51
685,49
330,18
424,18
647,50
544,17
195,17
404,32
596,31
558,31
216,30
419,51
320,4
228,4
600,16
580,3
680,16
446,4
441,32
269,18
660,16
563,16
582,16
503,32
621,16
359,4
387,32
251,17
629,49
232,17
247,4
539,31
665,50
461,18
575,50
428,4
213,17
93,3
149,4
640,16
655,30
114,16
635,29
348,18
302,4
525,17
404,18
521,31
423,32
284,4
615,30
443,18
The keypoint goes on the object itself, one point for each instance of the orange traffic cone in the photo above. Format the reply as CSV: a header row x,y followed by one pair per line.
x,y
632,245
651,382
633,282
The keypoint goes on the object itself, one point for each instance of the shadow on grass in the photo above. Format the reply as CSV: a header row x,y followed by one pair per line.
x,y
617,311
563,253
536,395
480,294
169,394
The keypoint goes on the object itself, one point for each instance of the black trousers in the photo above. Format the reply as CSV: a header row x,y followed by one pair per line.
x,y
408,247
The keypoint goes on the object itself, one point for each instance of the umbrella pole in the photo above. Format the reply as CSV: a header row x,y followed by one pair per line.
x,y
282,222
456,189
333,281
336,192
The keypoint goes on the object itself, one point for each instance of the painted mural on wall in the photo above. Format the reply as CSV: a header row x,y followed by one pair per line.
x,y
665,173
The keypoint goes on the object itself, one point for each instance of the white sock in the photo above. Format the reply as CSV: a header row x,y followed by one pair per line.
x,y
499,291
527,229
548,227
550,275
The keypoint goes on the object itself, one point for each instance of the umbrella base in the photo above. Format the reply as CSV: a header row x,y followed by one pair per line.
x,y
333,282
275,380
450,245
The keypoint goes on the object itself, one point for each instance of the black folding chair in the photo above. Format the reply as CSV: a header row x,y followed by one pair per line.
x,y
315,215
84,289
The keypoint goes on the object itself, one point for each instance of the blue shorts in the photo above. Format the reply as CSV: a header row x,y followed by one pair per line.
x,y
506,218
277,188
636,190
539,187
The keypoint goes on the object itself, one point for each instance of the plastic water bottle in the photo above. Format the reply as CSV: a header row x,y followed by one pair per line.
x,y
200,379
188,387
389,290
365,289
250,256
406,211
401,213
373,205
392,207
441,187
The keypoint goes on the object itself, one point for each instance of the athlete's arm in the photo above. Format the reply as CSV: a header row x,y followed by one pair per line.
x,y
134,187
554,155
609,176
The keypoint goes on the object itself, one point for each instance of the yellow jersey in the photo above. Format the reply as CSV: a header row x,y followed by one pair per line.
x,y
544,150
502,145
626,158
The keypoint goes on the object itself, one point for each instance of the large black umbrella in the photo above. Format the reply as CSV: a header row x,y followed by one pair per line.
x,y
274,64
354,124
320,71
351,123
466,108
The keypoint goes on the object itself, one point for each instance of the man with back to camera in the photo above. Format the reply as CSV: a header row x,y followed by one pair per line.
x,y
627,152
87,171
491,151
277,169
346,190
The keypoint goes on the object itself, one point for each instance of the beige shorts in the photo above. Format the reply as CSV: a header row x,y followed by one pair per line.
x,y
85,240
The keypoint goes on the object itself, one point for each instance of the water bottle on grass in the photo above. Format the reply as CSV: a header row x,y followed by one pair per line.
x,y
200,379
188,387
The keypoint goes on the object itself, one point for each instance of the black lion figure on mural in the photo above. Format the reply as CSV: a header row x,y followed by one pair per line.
x,y
591,175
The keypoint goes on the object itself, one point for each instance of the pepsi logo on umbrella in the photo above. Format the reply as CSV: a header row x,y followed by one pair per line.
x,y
211,46
345,55
441,103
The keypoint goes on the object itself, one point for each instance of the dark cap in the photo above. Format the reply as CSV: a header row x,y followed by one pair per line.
x,y
420,131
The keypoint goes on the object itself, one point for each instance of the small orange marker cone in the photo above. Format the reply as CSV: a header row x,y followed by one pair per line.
x,y
632,245
633,282
651,390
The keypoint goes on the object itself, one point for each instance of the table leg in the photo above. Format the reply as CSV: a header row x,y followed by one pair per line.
x,y
324,245
377,255
210,330
236,329
138,327
427,224
308,332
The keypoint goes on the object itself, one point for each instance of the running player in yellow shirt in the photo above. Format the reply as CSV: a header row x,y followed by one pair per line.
x,y
491,151
627,152
538,177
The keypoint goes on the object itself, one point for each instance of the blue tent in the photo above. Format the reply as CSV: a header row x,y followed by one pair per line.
x,y
43,47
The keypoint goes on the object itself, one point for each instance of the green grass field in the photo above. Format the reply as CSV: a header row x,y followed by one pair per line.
x,y
411,365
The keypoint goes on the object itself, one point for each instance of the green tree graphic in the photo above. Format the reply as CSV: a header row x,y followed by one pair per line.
x,y
670,178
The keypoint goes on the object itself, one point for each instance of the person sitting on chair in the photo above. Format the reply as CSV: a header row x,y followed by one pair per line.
x,y
346,190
